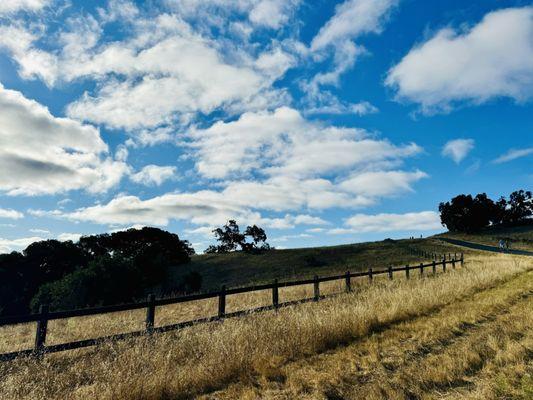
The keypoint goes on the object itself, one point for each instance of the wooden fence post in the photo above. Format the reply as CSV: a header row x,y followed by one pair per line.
x,y
390,272
150,314
407,271
370,275
462,259
42,327
222,302
421,269
316,289
275,294
444,265
434,267
348,282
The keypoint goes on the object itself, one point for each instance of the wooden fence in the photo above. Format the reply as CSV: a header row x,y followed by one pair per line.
x,y
151,303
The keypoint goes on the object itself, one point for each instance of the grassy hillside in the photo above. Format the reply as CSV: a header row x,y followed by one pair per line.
x,y
238,269
519,237
463,334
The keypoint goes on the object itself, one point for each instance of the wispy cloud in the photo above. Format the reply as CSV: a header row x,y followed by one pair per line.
x,y
513,154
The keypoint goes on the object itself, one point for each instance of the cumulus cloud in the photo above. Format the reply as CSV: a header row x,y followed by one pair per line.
x,y
47,154
513,154
458,149
414,221
13,6
284,143
492,59
162,72
10,213
153,175
272,13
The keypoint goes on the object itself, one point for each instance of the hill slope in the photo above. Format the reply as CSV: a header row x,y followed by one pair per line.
x,y
238,269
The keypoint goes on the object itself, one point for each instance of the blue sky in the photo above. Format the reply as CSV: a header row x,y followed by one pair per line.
x,y
323,122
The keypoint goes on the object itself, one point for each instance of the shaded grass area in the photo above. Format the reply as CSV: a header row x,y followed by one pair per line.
x,y
240,269
519,237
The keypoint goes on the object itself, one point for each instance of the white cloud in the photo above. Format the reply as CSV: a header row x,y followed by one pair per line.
x,y
458,149
153,175
283,143
46,154
353,18
9,245
10,213
200,208
164,72
414,221
336,107
492,59
69,236
13,6
382,183
43,231
272,13
513,154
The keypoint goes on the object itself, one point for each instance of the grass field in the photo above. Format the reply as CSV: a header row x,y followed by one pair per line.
x,y
463,334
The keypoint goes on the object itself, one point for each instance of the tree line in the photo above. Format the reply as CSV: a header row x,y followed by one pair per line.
x,y
109,268
97,270
465,213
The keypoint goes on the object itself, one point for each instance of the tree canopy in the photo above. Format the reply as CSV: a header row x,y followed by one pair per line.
x,y
465,213
230,239
98,269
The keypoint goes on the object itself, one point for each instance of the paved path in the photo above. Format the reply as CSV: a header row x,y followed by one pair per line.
x,y
485,247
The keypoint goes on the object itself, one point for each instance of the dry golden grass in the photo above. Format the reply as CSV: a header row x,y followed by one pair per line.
x,y
399,339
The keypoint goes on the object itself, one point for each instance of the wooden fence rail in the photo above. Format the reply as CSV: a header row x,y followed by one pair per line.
x,y
151,303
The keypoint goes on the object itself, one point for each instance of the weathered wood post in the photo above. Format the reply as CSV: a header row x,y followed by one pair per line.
x,y
462,259
407,271
370,277
434,267
453,263
390,272
316,288
421,269
150,314
348,282
275,294
42,327
222,302
444,265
